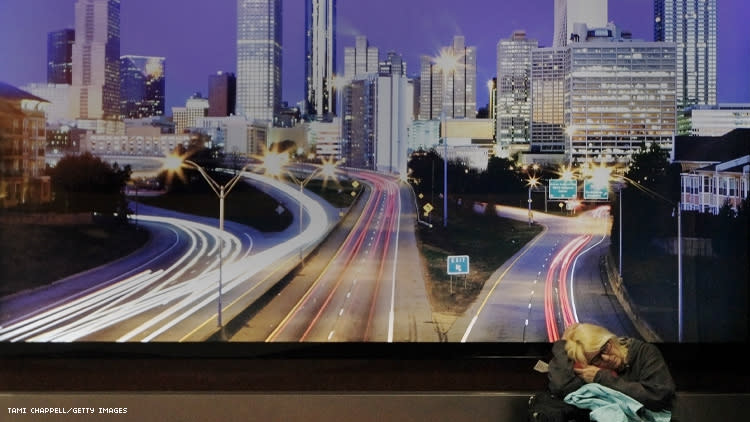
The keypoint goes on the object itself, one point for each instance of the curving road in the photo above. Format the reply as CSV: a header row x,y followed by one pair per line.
x,y
552,282
169,290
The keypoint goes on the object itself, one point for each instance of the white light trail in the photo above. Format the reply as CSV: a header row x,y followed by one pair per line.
x,y
155,288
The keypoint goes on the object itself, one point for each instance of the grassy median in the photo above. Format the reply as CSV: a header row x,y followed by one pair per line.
x,y
32,255
487,239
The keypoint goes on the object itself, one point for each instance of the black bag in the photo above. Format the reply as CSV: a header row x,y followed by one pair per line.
x,y
545,407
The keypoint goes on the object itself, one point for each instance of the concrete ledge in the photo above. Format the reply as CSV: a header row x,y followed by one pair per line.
x,y
329,406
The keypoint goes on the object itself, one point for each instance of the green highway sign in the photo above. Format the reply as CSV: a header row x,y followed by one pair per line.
x,y
595,192
563,189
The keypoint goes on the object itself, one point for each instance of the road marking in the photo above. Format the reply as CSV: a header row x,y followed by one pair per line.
x,y
497,282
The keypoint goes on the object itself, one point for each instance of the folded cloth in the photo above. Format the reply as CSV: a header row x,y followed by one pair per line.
x,y
608,405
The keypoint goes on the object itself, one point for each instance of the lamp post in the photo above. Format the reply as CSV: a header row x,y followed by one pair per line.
x,y
174,164
532,182
679,273
274,164
302,183
446,62
619,250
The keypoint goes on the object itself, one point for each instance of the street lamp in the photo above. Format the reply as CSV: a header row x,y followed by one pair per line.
x,y
532,182
175,163
274,165
446,62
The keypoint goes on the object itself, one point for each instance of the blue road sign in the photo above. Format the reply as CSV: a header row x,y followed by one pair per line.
x,y
595,192
458,264
563,189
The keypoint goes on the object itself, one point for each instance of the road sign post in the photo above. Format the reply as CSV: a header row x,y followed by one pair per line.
x,y
593,191
563,189
458,264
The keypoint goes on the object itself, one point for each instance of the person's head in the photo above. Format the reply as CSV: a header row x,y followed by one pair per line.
x,y
591,344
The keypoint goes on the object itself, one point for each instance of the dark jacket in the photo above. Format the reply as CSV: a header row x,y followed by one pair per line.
x,y
645,377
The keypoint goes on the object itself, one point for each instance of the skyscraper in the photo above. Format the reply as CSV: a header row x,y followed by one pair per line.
x,y
549,68
259,59
360,59
60,56
393,116
691,25
320,57
359,122
142,86
96,60
620,95
458,98
601,98
593,13
222,94
513,92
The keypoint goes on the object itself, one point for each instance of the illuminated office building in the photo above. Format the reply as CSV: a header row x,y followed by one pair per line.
x,y
458,99
691,25
620,96
60,56
601,98
185,118
142,86
259,59
513,109
222,94
96,60
359,101
320,58
593,13
549,67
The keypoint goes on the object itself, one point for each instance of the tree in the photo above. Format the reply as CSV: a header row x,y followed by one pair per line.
x,y
500,178
427,170
649,166
649,200
85,183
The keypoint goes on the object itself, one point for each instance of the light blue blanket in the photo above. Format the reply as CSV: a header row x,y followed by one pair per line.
x,y
608,405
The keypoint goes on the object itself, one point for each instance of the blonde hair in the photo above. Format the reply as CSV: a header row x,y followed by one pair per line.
x,y
583,339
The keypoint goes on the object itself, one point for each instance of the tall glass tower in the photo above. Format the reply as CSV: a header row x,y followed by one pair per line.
x,y
96,60
60,56
455,92
141,86
320,57
514,92
259,59
691,25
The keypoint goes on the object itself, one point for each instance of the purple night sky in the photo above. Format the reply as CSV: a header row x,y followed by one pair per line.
x,y
198,37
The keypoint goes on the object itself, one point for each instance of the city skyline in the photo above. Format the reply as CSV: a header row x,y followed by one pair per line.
x,y
412,32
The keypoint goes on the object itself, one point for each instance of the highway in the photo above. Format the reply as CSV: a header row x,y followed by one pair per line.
x,y
169,290
372,288
364,284
553,281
